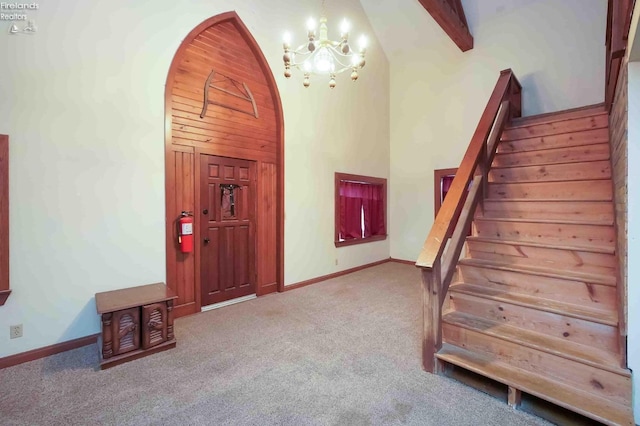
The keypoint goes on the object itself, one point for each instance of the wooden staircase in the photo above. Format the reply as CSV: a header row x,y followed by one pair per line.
x,y
534,302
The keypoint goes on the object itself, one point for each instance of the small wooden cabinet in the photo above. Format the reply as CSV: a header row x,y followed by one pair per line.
x,y
136,322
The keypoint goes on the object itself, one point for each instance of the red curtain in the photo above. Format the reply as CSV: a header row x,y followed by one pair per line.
x,y
373,204
350,210
356,199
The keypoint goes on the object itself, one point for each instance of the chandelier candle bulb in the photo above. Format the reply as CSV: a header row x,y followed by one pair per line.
x,y
344,29
311,26
322,56
362,42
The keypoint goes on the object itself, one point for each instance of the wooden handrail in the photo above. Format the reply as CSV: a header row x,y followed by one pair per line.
x,y
458,209
444,223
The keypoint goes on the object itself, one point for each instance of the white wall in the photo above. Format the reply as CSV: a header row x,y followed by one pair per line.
x,y
555,48
83,103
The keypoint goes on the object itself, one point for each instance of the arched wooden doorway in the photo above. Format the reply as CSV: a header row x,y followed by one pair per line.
x,y
224,132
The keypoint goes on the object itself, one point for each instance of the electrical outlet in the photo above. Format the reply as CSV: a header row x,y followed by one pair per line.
x,y
336,261
15,331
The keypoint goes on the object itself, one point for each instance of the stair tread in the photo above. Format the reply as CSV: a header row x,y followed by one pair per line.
x,y
495,166
538,200
547,305
593,249
587,404
569,140
555,127
574,351
546,149
538,270
558,221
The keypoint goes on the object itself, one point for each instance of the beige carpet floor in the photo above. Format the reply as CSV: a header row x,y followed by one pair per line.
x,y
342,352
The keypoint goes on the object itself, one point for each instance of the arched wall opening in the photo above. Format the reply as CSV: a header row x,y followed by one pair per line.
x,y
224,162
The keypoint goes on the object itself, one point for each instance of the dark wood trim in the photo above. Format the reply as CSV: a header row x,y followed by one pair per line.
x,y
336,204
32,355
4,219
404,262
334,275
449,14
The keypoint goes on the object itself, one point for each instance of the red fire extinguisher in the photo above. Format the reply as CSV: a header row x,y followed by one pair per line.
x,y
185,232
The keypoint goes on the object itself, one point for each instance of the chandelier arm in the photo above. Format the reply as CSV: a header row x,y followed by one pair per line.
x,y
337,54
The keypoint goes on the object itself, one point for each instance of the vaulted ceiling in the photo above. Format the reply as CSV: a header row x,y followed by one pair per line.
x,y
401,25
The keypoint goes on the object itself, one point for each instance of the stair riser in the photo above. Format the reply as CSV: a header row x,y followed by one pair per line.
x,y
547,233
551,117
567,396
565,210
559,127
571,260
578,154
587,378
593,296
588,137
592,190
561,326
552,173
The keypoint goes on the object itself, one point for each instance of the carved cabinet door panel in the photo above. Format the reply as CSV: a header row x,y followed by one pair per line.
x,y
154,324
227,235
126,330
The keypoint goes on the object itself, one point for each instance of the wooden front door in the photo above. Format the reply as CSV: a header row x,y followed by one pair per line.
x,y
227,235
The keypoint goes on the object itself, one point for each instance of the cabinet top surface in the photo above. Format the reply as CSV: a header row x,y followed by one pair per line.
x,y
116,300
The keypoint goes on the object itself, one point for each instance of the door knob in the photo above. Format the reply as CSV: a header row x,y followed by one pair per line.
x,y
205,211
206,240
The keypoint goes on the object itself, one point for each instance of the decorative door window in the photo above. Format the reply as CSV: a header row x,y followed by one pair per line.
x,y
228,200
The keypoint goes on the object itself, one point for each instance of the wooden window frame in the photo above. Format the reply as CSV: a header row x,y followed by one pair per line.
x,y
363,179
4,219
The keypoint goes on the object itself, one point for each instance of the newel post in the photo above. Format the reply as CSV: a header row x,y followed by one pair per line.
x,y
431,315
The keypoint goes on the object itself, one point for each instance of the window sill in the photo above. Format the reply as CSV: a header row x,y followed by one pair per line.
x,y
360,240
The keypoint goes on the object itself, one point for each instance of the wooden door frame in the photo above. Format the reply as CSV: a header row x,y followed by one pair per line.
x,y
170,181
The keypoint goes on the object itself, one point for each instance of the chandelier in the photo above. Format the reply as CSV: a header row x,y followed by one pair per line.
x,y
322,56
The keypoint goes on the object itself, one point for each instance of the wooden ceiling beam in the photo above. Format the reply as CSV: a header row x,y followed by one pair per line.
x,y
449,14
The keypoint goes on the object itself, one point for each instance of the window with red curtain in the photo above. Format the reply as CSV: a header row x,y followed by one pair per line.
x,y
361,205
